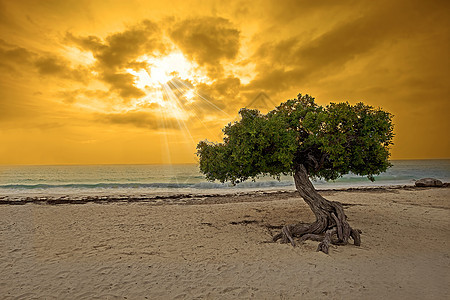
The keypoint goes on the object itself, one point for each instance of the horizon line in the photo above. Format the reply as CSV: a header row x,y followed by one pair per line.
x,y
164,164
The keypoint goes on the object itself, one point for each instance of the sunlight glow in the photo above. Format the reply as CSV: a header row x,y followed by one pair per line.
x,y
142,79
162,69
165,80
77,56
189,95
171,91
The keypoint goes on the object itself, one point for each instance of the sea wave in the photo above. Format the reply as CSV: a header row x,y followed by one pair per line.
x,y
15,180
159,185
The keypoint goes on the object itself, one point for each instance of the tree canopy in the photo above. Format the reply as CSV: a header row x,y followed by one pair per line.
x,y
328,141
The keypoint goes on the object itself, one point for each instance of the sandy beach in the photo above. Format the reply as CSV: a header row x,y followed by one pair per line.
x,y
217,248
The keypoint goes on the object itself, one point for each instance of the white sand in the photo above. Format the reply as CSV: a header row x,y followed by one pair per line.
x,y
144,251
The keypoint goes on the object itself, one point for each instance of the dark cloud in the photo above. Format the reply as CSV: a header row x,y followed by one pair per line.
x,y
296,62
207,40
139,119
11,56
120,49
225,89
16,55
90,43
126,46
122,83
221,95
52,65
276,80
16,59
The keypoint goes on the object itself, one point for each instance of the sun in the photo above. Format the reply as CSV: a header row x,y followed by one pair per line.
x,y
169,82
163,69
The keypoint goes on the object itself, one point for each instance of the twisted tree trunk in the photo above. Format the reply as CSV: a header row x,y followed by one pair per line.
x,y
330,227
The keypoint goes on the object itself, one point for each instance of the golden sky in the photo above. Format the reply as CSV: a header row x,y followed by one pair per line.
x,y
97,82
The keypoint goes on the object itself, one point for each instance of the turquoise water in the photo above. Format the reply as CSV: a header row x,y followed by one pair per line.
x,y
156,179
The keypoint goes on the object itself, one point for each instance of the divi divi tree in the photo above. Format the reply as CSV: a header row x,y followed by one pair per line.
x,y
308,141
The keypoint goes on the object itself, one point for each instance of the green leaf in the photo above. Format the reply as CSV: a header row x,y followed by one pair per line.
x,y
329,141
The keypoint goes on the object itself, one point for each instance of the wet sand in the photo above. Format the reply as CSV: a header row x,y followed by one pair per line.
x,y
216,247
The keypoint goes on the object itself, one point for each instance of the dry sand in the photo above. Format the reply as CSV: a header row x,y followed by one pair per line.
x,y
218,250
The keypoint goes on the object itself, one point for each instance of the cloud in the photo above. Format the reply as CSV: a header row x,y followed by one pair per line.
x,y
11,56
49,66
52,65
139,119
120,49
295,61
207,40
222,95
15,54
15,59
223,89
90,43
122,83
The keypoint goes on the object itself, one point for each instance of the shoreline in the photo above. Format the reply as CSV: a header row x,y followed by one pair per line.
x,y
188,198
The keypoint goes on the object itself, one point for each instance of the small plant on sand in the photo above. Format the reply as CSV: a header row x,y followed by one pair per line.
x,y
305,140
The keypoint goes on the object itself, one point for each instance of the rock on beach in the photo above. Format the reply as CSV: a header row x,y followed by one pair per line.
x,y
428,182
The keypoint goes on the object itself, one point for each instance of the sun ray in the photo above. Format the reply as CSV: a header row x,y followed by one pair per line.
x,y
208,128
181,122
209,102
171,85
165,141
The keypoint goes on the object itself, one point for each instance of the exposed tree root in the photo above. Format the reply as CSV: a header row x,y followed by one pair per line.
x,y
330,227
355,235
330,237
287,236
325,244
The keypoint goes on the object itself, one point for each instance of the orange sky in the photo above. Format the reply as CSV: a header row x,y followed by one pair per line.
x,y
97,82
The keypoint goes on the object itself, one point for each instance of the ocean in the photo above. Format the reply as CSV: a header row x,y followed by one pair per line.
x,y
80,180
